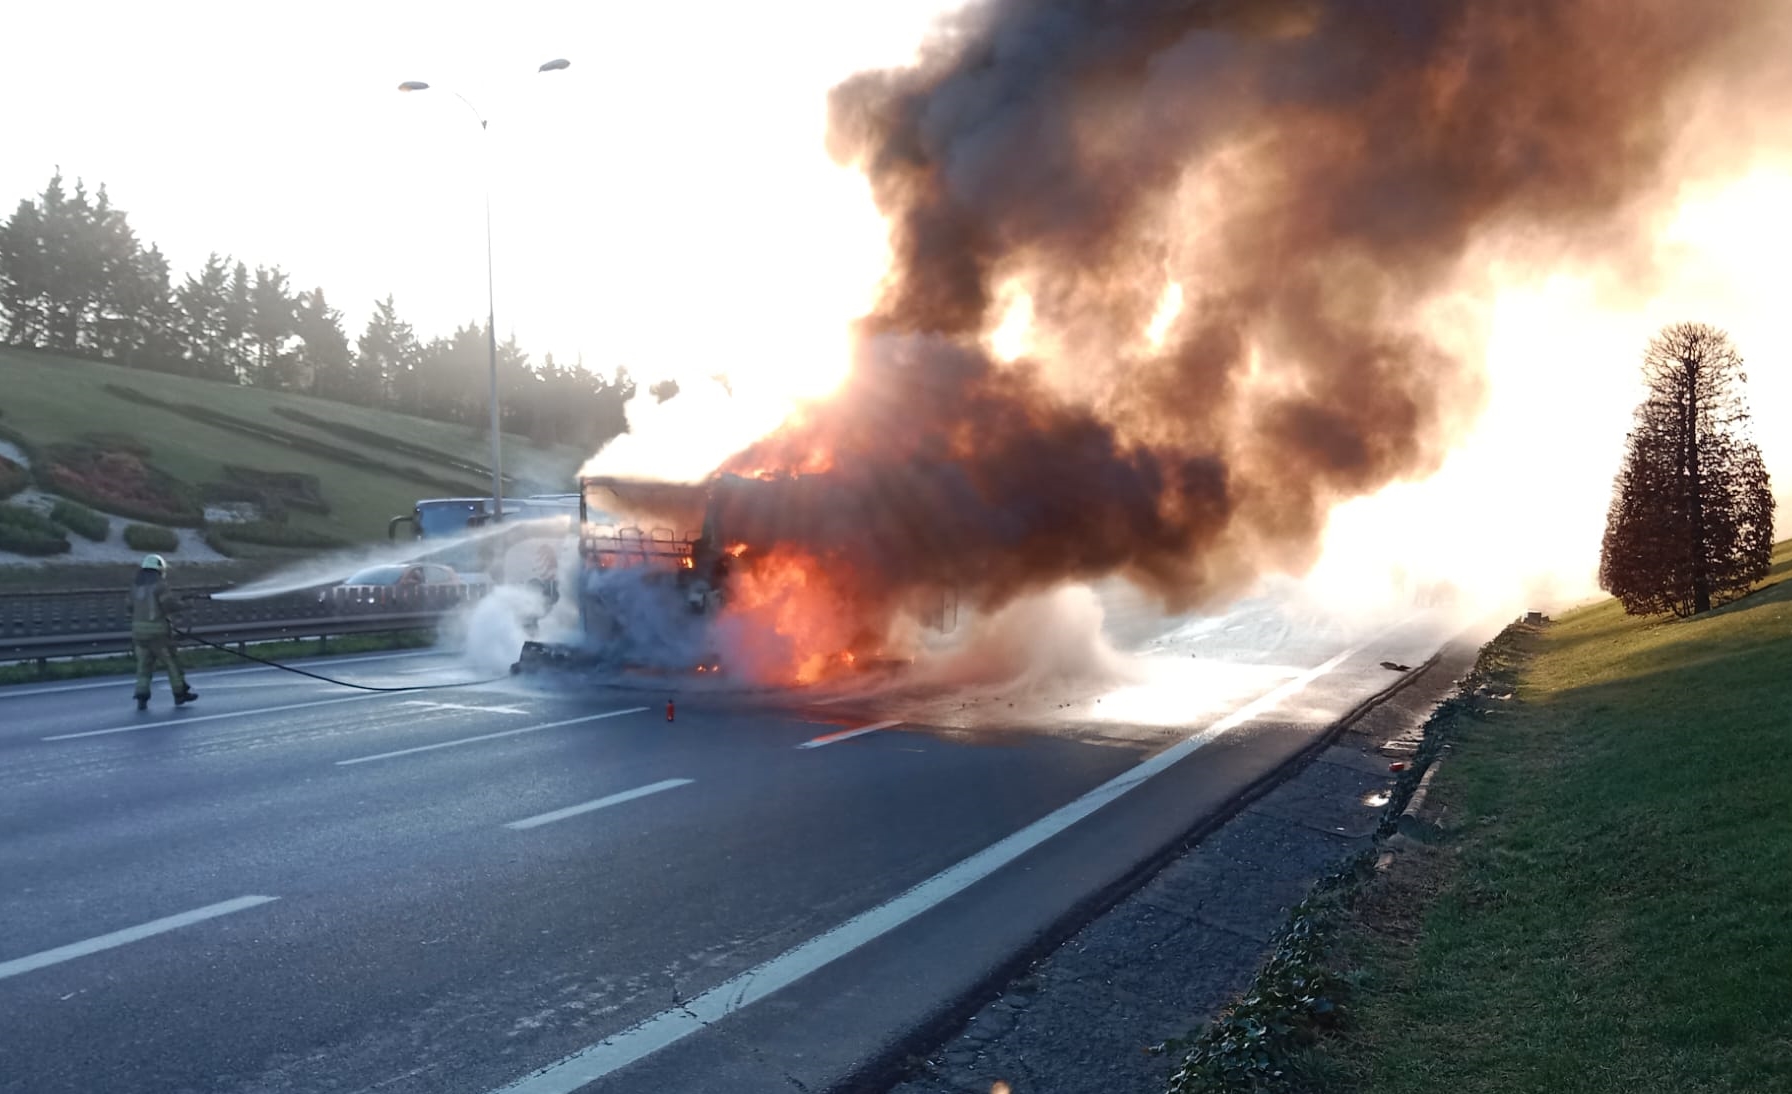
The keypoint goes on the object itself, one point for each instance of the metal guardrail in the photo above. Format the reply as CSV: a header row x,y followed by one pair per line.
x,y
92,645
39,626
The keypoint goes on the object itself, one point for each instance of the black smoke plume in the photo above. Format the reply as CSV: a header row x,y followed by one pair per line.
x,y
1310,175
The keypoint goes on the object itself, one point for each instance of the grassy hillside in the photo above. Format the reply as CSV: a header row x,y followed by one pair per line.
x,y
1609,905
193,429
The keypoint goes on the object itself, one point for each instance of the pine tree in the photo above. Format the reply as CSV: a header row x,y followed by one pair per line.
x,y
108,292
24,277
271,309
1691,519
239,312
324,363
202,321
140,320
387,362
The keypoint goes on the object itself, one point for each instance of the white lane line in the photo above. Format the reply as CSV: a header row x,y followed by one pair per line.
x,y
198,675
489,736
130,934
462,706
847,734
601,803
594,1062
183,720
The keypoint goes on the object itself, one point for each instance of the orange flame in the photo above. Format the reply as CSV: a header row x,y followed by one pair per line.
x,y
817,460
798,628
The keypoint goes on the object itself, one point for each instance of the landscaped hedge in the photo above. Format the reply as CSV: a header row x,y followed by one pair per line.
x,y
150,537
7,433
117,481
28,532
389,444
81,520
118,442
274,492
296,441
270,534
13,478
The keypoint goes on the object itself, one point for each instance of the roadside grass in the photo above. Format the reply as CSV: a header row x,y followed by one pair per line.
x,y
49,399
200,657
1610,899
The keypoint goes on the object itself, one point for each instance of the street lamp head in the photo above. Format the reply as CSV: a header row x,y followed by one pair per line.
x,y
555,65
413,85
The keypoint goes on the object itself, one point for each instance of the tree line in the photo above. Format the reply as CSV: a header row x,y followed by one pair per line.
x,y
75,279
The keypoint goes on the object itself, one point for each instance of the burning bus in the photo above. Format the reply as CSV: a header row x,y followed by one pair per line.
x,y
703,577
652,574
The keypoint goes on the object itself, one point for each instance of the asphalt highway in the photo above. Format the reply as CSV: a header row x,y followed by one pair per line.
x,y
542,885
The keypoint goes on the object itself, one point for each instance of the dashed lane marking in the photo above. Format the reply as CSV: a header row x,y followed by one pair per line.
x,y
73,950
184,719
462,706
600,803
200,675
488,736
613,1053
846,734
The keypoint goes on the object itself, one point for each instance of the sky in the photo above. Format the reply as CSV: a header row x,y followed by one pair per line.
x,y
679,158
665,204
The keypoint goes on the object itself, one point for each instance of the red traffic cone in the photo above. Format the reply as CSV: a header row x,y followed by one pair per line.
x,y
668,710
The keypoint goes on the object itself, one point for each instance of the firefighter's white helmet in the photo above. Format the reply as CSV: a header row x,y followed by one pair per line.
x,y
155,562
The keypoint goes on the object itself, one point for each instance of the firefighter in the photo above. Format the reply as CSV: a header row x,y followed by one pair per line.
x,y
152,631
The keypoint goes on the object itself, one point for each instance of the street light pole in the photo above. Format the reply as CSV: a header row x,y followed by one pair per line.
x,y
491,341
491,305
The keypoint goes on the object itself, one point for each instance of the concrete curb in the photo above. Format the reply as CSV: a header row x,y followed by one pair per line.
x,y
947,1023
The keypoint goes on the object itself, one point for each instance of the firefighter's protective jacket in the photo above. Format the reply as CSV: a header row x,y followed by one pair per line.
x,y
152,602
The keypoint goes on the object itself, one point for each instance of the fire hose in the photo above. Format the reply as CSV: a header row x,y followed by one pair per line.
x,y
247,656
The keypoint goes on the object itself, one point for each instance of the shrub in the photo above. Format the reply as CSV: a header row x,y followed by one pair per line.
x,y
297,441
118,482
7,433
118,442
80,520
435,456
273,492
13,478
269,534
150,537
28,532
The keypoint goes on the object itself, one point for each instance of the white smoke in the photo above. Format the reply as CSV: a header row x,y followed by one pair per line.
x,y
490,632
682,439
637,619
1053,638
